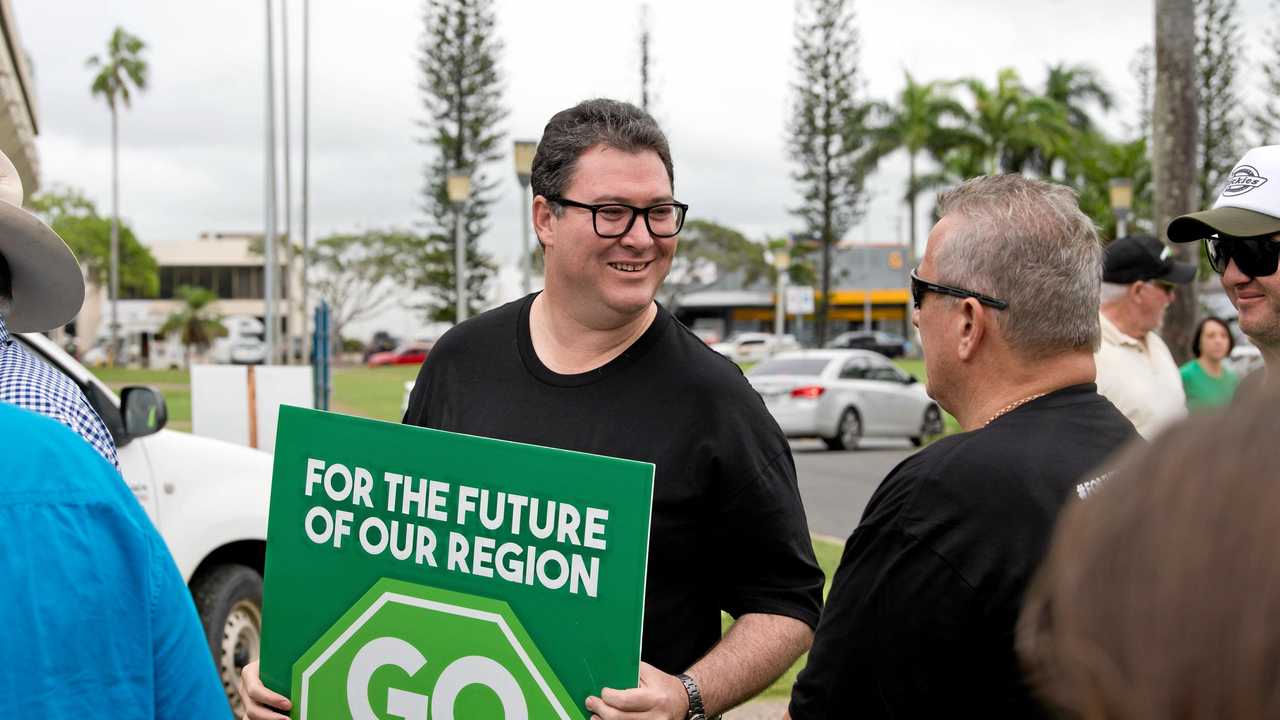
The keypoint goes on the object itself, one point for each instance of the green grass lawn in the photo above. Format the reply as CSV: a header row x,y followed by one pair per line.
x,y
368,392
175,385
371,392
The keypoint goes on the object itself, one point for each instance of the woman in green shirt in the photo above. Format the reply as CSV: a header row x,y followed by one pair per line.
x,y
1207,382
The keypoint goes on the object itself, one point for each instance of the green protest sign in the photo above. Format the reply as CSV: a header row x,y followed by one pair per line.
x,y
418,574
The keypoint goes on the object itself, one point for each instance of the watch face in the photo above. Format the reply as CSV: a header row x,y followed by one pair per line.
x,y
698,716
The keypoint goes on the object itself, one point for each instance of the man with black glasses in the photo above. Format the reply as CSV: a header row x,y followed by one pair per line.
x,y
593,364
921,614
1242,239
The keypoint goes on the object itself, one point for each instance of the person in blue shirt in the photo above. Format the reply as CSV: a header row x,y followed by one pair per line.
x,y
98,622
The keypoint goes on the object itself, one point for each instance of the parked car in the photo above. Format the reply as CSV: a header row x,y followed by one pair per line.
x,y
207,498
886,344
842,396
382,341
752,347
411,353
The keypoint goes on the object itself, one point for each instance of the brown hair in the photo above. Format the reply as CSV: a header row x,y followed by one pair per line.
x,y
1160,595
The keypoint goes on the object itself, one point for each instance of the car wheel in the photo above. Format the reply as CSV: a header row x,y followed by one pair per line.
x,y
229,599
931,427
848,431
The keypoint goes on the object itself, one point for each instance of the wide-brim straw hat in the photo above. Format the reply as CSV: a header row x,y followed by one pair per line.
x,y
48,285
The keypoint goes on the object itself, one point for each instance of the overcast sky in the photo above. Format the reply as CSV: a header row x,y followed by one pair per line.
x,y
192,145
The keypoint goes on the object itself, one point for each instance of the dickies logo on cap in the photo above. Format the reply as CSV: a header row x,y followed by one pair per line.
x,y
1243,179
1247,207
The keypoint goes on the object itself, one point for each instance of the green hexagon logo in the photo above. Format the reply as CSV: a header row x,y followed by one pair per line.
x,y
410,652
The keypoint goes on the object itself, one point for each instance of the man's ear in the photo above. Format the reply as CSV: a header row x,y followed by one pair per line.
x,y
972,318
543,221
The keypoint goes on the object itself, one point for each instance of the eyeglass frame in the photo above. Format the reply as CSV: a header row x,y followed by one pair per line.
x,y
635,212
926,286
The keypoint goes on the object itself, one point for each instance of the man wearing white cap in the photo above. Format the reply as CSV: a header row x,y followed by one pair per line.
x,y
1242,239
41,288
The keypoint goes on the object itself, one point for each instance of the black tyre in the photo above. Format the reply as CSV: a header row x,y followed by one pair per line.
x,y
848,431
229,599
931,427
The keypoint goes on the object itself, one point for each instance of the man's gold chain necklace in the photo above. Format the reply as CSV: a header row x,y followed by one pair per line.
x,y
1011,407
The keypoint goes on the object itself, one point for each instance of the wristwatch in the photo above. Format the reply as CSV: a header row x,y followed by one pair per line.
x,y
696,710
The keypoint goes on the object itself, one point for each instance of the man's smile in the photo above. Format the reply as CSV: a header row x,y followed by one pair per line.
x,y
630,267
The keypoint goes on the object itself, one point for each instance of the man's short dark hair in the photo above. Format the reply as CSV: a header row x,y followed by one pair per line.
x,y
571,132
1195,339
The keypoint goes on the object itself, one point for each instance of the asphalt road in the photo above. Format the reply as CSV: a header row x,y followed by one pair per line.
x,y
836,486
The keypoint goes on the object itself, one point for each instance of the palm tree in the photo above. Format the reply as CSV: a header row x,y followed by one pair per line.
x,y
1074,87
122,67
1011,125
924,119
195,321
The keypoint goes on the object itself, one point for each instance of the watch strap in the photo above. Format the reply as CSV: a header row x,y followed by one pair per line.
x,y
696,709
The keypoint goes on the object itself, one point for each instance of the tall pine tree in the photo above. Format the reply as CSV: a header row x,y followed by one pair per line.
x,y
462,94
830,140
1221,112
1266,120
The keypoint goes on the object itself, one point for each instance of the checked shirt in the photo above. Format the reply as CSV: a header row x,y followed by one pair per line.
x,y
29,383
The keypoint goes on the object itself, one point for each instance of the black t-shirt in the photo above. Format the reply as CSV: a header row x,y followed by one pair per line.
x,y
921,614
728,530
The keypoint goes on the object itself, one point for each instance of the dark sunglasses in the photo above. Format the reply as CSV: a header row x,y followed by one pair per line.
x,y
920,287
1255,256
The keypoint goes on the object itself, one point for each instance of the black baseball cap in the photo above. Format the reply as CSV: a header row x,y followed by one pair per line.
x,y
1142,257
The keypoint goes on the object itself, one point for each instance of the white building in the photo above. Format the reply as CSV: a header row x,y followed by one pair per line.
x,y
226,263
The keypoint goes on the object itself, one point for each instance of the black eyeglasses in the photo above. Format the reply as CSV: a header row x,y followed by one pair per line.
x,y
1255,256
920,287
613,220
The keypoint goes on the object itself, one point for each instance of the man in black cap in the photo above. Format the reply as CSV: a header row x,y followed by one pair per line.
x,y
1242,237
1136,372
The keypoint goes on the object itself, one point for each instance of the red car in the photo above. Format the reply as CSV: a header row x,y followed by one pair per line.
x,y
408,354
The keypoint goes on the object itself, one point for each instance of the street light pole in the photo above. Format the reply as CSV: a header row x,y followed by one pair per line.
x,y
525,150
269,267
781,262
459,189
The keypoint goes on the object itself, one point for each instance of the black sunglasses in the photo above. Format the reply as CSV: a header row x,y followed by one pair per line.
x,y
1255,256
920,287
613,220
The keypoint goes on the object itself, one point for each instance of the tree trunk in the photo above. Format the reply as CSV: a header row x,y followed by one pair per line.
x,y
1174,153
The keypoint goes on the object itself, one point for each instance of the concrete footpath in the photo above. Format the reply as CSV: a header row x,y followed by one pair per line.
x,y
770,709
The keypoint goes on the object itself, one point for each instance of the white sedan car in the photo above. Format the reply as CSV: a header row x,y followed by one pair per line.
x,y
844,395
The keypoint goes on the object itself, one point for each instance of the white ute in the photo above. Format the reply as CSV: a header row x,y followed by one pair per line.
x,y
209,500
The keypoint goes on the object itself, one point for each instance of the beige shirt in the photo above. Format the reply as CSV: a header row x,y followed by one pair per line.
x,y
1140,378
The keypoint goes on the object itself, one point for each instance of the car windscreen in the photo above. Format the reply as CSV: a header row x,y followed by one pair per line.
x,y
791,366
